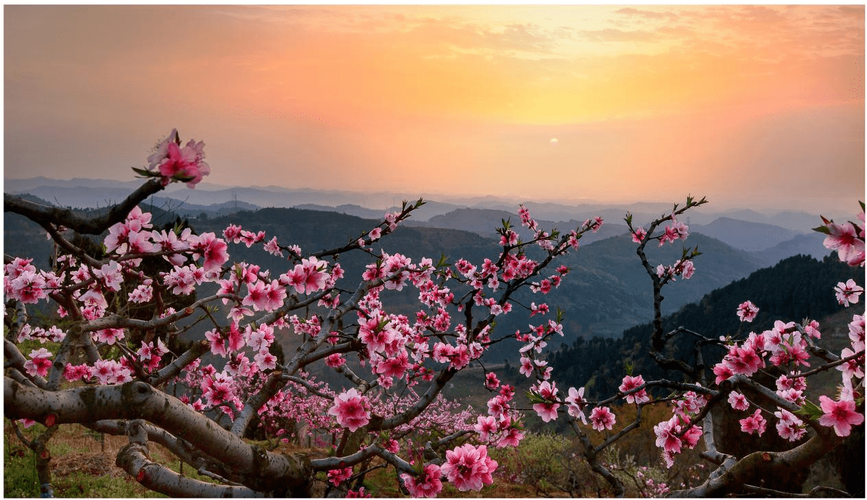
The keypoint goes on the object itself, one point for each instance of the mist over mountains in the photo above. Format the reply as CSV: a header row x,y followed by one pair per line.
x,y
95,193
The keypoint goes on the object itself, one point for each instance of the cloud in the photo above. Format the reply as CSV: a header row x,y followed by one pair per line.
x,y
617,35
646,14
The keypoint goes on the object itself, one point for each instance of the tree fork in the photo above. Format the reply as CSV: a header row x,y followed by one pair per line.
x,y
262,470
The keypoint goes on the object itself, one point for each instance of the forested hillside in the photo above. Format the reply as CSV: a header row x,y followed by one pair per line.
x,y
796,288
606,292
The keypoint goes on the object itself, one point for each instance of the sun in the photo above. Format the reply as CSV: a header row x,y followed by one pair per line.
x,y
554,141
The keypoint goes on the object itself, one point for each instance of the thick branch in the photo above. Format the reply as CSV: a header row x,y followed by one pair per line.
x,y
179,447
153,476
42,214
758,464
263,471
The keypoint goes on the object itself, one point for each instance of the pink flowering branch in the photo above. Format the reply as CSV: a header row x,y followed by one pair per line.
x,y
14,359
658,337
174,368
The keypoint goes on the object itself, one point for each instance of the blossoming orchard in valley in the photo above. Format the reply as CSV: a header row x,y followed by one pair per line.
x,y
110,367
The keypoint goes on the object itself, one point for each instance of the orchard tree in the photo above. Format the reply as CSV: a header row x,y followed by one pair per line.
x,y
202,404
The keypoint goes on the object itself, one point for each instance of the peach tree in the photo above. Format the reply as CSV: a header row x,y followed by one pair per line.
x,y
388,409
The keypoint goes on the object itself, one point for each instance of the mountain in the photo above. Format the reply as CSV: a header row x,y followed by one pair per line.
x,y
750,236
606,292
484,222
185,209
803,244
355,210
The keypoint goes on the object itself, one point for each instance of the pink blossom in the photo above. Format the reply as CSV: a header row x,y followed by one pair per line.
x,y
265,360
547,411
213,250
844,239
789,426
218,391
485,426
28,287
469,467
335,360
638,235
856,332
853,367
747,311
427,484
754,423
143,293
218,344
630,383
738,401
812,330
512,438
73,373
168,241
840,415
351,409
109,335
250,238
723,372
232,233
180,164
602,418
666,435
256,296
273,247
491,381
848,293
357,494
337,476
39,362
498,405
743,361
577,403
394,366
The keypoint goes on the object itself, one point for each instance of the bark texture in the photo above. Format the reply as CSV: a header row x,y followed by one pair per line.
x,y
258,469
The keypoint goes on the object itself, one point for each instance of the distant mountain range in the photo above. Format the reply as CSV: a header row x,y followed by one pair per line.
x,y
770,237
90,193
607,293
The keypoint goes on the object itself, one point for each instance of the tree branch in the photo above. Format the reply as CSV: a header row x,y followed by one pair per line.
x,y
262,471
42,214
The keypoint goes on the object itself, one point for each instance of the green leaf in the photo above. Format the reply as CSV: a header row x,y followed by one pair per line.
x,y
810,410
442,262
535,398
144,172
822,229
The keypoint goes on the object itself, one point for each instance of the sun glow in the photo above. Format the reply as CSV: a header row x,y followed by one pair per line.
x,y
385,95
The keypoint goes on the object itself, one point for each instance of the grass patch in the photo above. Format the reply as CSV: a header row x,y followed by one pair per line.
x,y
19,471
82,484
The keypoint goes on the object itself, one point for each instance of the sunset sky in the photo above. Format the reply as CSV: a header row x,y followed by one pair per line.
x,y
751,106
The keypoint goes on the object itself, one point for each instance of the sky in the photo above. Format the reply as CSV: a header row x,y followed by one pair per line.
x,y
756,106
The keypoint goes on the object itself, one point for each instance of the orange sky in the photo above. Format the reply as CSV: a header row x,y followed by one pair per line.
x,y
745,104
